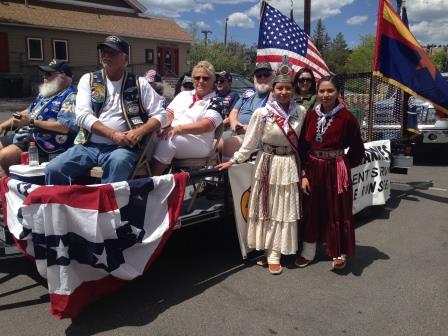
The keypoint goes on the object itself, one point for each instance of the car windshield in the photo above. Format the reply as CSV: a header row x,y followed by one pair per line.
x,y
239,82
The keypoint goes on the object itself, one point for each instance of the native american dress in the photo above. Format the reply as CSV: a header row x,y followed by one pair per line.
x,y
328,209
274,205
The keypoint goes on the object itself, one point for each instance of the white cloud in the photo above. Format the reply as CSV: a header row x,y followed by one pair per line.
x,y
319,8
241,20
428,20
202,25
357,20
184,24
426,10
174,8
431,32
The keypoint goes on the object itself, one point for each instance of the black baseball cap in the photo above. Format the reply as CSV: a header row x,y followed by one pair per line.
x,y
57,66
224,74
116,43
264,66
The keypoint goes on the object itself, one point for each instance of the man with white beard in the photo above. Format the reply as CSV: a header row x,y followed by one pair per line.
x,y
49,121
239,117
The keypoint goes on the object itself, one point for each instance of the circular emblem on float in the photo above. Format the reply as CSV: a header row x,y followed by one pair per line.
x,y
133,109
98,93
244,204
61,138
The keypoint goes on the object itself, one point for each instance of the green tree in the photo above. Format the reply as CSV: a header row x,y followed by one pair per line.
x,y
361,57
321,38
231,59
337,54
440,60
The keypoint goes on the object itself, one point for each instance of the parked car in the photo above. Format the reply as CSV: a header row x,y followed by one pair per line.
x,y
241,84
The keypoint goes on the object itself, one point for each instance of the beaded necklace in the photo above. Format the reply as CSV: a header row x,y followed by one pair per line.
x,y
324,121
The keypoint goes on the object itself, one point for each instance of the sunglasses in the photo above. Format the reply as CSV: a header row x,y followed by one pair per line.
x,y
262,75
188,86
305,80
198,78
220,81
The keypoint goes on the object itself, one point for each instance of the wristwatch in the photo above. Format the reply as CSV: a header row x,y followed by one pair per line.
x,y
32,122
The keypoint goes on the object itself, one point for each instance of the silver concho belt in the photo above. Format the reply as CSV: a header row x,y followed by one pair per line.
x,y
277,150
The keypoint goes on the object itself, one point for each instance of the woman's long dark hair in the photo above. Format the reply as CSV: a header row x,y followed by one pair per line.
x,y
296,81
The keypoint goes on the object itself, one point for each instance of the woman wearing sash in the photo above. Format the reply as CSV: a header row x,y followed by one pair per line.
x,y
328,130
274,200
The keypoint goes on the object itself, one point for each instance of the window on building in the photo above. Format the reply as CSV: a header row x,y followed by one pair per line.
x,y
35,51
149,56
60,49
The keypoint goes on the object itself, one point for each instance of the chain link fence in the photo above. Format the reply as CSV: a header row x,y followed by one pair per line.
x,y
376,104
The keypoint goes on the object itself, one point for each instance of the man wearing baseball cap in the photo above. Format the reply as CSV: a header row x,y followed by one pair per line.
x,y
115,111
239,117
49,121
223,84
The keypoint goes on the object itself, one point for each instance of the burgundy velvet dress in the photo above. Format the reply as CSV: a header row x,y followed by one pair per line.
x,y
328,209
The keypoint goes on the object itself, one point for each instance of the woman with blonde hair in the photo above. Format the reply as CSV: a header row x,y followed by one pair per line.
x,y
194,116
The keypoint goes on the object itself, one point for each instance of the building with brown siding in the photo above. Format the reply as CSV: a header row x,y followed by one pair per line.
x,y
34,32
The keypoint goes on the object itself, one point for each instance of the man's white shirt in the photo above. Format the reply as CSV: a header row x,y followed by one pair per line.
x,y
111,114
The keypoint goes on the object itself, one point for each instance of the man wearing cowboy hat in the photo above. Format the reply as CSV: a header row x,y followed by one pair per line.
x,y
115,111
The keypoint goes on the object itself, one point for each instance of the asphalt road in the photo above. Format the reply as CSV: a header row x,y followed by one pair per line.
x,y
396,285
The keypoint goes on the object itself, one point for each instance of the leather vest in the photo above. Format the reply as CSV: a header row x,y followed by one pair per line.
x,y
130,98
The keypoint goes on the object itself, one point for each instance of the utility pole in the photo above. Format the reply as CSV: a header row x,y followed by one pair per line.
x,y
291,13
307,17
225,33
206,32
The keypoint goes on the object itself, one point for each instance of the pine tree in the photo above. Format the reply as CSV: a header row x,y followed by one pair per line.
x,y
336,54
320,37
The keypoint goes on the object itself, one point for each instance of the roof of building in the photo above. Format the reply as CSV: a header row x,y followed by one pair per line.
x,y
100,23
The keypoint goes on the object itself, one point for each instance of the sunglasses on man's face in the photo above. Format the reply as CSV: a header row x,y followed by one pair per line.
x,y
305,80
263,75
220,81
198,78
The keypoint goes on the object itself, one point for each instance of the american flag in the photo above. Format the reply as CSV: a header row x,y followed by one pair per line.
x,y
87,241
280,36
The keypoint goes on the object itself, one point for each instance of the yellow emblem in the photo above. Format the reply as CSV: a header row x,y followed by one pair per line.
x,y
244,204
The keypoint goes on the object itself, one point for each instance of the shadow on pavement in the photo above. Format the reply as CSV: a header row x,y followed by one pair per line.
x,y
365,256
194,260
410,191
14,267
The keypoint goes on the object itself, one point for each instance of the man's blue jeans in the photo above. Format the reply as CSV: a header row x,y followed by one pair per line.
x,y
117,163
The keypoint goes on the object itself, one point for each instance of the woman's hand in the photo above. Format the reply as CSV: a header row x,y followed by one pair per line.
x,y
306,188
163,133
174,131
224,165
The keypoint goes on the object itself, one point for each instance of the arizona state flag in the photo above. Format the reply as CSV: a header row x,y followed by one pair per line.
x,y
400,60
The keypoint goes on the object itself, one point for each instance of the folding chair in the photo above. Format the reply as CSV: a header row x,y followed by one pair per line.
x,y
212,159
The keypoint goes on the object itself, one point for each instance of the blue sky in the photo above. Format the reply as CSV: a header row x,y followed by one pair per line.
x,y
428,18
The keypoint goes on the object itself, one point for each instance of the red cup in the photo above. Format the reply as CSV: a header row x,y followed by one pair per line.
x,y
25,158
